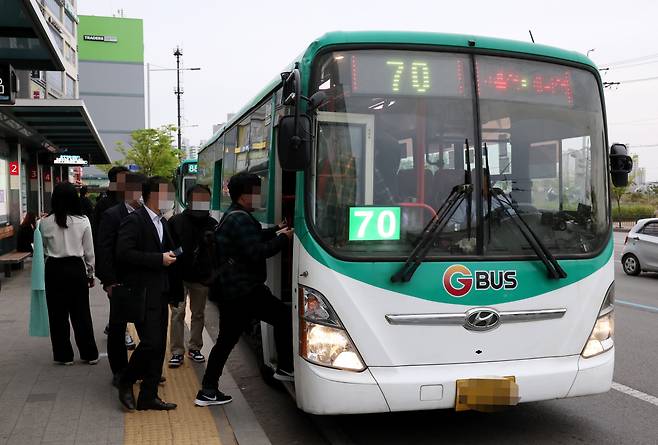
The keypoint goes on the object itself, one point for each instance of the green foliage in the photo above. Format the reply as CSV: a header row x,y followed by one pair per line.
x,y
632,212
152,150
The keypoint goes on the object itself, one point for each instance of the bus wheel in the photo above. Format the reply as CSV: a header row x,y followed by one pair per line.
x,y
631,265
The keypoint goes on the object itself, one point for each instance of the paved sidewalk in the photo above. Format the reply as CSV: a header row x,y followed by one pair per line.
x,y
44,403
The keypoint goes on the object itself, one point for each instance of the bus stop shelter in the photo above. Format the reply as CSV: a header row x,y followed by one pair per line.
x,y
35,131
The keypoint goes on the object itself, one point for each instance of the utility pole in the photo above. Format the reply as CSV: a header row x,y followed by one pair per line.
x,y
178,53
176,89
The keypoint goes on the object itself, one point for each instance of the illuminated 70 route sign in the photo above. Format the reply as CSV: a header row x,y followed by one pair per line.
x,y
374,223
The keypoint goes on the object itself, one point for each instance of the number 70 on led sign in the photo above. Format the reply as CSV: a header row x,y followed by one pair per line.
x,y
374,223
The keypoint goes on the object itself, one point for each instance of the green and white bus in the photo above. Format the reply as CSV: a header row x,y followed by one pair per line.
x,y
184,180
451,204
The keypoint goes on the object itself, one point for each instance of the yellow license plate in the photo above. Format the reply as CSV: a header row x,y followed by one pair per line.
x,y
486,394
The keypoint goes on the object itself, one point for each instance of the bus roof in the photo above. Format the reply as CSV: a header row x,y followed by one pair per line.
x,y
502,46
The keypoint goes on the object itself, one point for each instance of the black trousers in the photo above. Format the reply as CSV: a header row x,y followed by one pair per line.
x,y
235,316
117,354
147,359
67,295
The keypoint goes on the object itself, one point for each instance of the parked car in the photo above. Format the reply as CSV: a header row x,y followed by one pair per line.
x,y
640,252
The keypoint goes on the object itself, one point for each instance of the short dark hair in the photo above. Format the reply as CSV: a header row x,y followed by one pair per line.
x,y
135,178
152,184
114,171
196,188
242,184
65,202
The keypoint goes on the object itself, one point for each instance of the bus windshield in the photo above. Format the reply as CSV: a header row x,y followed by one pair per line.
x,y
398,133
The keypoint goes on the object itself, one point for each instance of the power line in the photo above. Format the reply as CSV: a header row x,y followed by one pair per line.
x,y
633,60
648,62
644,79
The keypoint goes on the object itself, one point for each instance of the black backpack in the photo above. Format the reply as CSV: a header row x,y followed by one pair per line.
x,y
205,259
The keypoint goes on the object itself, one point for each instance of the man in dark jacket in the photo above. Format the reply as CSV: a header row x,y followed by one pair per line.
x,y
116,175
106,265
188,230
243,247
144,254
114,196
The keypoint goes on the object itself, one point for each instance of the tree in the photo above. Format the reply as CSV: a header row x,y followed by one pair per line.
x,y
618,192
152,150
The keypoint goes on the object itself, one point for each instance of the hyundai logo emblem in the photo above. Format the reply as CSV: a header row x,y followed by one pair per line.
x,y
481,319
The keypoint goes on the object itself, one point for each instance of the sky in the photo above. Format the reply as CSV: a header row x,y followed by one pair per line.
x,y
241,45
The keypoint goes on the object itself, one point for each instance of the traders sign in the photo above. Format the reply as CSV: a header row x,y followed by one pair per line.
x,y
96,38
70,160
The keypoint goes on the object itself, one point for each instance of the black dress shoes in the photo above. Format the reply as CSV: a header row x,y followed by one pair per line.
x,y
126,396
155,404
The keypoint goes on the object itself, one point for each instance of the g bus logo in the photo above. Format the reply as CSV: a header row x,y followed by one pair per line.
x,y
458,280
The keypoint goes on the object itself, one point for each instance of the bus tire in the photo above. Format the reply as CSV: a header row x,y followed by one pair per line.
x,y
631,264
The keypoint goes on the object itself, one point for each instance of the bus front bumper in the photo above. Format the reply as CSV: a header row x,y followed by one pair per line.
x,y
405,388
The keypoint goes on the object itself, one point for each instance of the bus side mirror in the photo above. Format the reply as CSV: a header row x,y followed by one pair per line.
x,y
293,145
620,165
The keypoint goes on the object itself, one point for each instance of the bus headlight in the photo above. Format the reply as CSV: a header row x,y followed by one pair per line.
x,y
323,339
602,337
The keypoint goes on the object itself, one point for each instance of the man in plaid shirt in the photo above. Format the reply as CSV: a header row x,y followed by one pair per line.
x,y
243,246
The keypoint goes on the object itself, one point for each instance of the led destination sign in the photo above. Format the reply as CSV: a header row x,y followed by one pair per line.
x,y
411,73
70,160
408,75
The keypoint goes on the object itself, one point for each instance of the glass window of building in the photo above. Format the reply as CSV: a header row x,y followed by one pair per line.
x,y
54,7
57,37
69,24
54,81
70,87
70,54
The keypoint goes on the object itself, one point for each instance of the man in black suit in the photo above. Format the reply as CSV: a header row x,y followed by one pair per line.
x,y
115,195
116,175
106,267
144,253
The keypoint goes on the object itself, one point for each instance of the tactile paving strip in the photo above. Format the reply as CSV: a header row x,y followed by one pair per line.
x,y
187,424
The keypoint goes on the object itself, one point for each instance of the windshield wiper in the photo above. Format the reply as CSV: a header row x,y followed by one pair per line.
x,y
437,223
554,269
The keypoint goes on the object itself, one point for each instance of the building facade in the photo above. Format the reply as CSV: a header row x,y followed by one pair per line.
x,y
111,66
62,23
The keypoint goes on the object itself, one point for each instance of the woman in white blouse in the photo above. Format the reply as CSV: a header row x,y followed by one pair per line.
x,y
69,251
